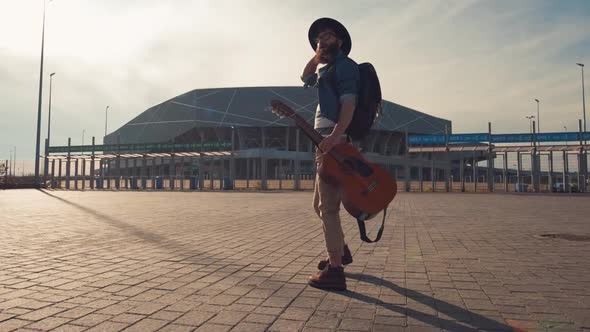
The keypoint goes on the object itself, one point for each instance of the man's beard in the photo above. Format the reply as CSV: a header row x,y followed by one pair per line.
x,y
330,52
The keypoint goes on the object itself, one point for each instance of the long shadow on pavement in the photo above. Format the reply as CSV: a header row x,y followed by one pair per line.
x,y
129,228
477,322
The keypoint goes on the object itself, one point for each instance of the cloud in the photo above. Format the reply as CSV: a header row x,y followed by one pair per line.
x,y
467,61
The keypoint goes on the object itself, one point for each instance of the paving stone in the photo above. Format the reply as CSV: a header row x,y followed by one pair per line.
x,y
108,327
249,327
207,260
13,324
146,325
49,323
285,325
355,324
91,320
194,318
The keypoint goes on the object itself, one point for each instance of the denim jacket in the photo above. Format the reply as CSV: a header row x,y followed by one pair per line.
x,y
337,82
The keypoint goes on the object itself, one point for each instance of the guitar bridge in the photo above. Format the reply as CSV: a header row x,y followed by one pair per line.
x,y
370,187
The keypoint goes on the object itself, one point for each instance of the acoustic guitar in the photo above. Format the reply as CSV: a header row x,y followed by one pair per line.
x,y
366,188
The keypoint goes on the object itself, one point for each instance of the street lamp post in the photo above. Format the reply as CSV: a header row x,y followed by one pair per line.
x,y
531,117
83,131
538,117
46,161
583,98
565,128
38,140
105,120
585,157
14,161
49,117
9,161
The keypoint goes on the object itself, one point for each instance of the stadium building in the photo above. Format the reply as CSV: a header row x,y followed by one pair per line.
x,y
231,134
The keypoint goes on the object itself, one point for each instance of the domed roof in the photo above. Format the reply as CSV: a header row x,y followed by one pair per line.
x,y
249,107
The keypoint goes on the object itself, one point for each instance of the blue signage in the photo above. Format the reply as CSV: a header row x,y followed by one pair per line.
x,y
467,138
497,138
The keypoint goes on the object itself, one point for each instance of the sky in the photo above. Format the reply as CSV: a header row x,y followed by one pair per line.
x,y
471,62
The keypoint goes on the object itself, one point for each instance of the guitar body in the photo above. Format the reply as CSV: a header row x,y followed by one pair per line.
x,y
365,187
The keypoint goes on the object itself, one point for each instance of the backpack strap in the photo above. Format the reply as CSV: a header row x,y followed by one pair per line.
x,y
362,230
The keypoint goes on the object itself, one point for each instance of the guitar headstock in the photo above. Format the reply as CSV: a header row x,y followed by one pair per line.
x,y
281,109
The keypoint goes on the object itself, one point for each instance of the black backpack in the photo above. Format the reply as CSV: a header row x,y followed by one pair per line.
x,y
368,104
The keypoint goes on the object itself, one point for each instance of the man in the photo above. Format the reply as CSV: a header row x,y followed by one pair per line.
x,y
337,83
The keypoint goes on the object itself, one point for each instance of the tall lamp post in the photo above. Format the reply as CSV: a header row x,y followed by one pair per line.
x,y
49,117
565,128
83,131
585,159
538,117
583,98
38,140
531,117
46,161
105,120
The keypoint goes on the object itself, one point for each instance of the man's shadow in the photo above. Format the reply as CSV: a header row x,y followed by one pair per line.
x,y
472,321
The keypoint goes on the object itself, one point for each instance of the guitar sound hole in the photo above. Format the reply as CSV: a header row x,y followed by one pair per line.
x,y
358,166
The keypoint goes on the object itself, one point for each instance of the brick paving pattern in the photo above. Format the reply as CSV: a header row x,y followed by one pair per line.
x,y
228,261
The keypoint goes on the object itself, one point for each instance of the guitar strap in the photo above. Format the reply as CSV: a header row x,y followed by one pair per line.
x,y
362,230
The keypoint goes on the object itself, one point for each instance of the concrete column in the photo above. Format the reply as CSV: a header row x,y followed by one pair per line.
x,y
201,172
297,162
172,171
221,172
108,172
118,176
92,169
490,163
505,173
83,174
76,174
101,171
566,182
421,177
210,168
491,172
580,156
550,177
280,173
263,161
52,173
462,174
474,167
534,171
181,173
68,165
154,173
232,161
248,173
46,163
519,170
447,172
407,167
584,172
59,173
143,173
433,174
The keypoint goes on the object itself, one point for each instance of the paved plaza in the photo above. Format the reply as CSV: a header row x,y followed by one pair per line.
x,y
239,261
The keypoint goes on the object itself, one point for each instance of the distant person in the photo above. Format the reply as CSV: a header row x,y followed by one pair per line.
x,y
338,88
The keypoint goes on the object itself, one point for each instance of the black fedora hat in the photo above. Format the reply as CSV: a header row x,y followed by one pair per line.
x,y
338,28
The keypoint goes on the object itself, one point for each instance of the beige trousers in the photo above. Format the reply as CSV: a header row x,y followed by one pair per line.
x,y
326,203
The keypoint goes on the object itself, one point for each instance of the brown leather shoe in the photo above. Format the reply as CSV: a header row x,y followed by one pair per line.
x,y
329,278
346,259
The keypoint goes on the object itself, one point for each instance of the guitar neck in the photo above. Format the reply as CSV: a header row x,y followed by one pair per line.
x,y
307,129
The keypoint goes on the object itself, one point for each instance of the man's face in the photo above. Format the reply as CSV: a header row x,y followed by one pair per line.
x,y
328,44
